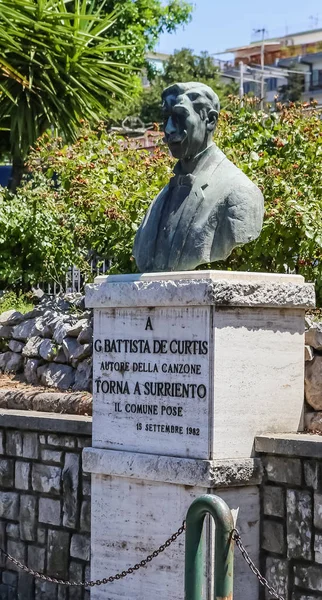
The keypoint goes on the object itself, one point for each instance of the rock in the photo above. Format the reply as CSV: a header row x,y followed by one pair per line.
x,y
6,331
83,376
57,553
76,329
80,547
11,362
25,330
80,303
299,524
313,336
83,351
70,345
86,335
309,354
313,382
60,356
15,346
313,422
308,323
57,375
11,317
61,331
46,479
28,520
70,478
9,505
32,346
48,350
30,370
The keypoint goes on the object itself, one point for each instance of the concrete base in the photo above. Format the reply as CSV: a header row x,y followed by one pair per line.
x,y
133,514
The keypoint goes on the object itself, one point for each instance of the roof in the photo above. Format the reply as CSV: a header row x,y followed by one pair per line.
x,y
274,39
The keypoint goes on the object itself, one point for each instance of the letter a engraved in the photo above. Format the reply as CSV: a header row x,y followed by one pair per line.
x,y
148,324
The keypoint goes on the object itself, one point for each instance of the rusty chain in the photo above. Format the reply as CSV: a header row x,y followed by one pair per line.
x,y
236,537
110,579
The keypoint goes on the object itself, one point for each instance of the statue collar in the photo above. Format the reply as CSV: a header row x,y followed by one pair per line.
x,y
195,163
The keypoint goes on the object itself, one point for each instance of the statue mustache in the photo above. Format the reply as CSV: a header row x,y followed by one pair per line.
x,y
175,138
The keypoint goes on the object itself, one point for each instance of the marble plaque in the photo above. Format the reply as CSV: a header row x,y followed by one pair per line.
x,y
152,373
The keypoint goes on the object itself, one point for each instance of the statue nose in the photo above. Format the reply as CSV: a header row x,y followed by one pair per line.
x,y
170,127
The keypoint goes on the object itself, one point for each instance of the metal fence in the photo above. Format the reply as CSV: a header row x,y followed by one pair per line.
x,y
74,280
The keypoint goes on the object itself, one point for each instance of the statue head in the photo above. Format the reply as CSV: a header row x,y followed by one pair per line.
x,y
191,112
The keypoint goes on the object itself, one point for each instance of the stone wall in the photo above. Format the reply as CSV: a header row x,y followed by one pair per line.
x,y
292,514
51,344
44,503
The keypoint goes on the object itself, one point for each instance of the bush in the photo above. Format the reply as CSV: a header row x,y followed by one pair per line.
x,y
91,196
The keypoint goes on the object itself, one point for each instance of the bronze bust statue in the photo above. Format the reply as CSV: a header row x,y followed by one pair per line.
x,y
209,207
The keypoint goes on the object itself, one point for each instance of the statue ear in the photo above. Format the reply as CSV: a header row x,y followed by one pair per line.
x,y
212,119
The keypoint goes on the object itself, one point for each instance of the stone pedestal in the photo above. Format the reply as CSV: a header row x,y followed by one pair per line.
x,y
188,369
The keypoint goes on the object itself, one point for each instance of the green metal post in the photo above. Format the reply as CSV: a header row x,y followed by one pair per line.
x,y
224,548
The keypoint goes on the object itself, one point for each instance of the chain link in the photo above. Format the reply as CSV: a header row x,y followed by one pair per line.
x,y
236,537
110,579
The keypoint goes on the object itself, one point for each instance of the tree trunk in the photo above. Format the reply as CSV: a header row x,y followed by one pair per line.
x,y
17,172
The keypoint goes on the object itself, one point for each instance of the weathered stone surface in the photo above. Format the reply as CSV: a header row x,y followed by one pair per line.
x,y
85,520
318,548
298,524
18,550
46,479
27,518
64,441
11,317
10,578
30,370
70,478
30,445
83,376
86,335
76,573
273,537
1,443
77,328
60,357
313,378
11,362
25,588
48,350
26,330
283,470
41,535
49,511
16,346
45,590
313,422
61,331
277,575
58,553
14,443
6,472
70,346
309,577
312,473
83,351
318,510
51,456
22,473
2,543
31,349
36,558
273,501
57,375
86,486
80,546
13,531
309,354
6,331
313,336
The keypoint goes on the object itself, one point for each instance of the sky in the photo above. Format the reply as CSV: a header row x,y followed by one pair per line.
x,y
220,24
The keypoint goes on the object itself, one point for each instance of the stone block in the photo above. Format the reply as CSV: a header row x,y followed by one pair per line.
x,y
53,456
277,575
308,577
31,349
64,441
13,531
11,362
1,443
70,478
27,518
30,370
45,590
318,510
46,479
273,537
61,331
299,524
30,445
26,587
283,470
86,336
36,558
6,472
48,350
70,345
83,376
58,553
15,346
10,578
301,596
2,543
312,474
9,505
85,520
62,592
80,547
42,439
14,443
57,375
313,336
313,375
22,475
84,442
25,330
86,486
318,548
41,535
18,551
6,331
49,511
11,317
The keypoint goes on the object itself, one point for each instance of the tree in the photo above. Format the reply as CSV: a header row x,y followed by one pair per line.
x,y
55,68
293,89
